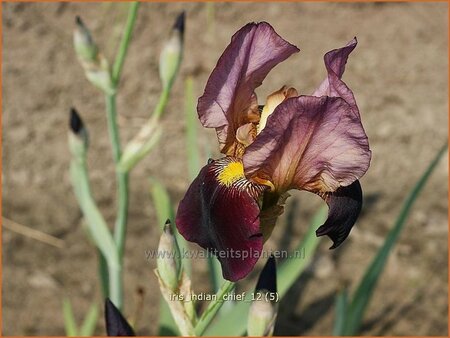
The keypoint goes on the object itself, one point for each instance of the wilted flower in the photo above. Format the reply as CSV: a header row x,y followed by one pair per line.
x,y
314,143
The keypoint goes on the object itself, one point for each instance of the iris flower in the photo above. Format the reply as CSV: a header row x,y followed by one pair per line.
x,y
306,142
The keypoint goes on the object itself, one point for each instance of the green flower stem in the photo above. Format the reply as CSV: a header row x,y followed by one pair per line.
x,y
104,274
115,273
122,212
122,178
120,59
97,226
162,102
113,129
213,308
116,285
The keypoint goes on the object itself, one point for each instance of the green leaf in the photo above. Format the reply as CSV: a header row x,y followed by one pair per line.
x,y
97,226
221,326
98,229
367,285
103,273
191,129
293,266
167,326
161,201
287,274
69,319
213,307
90,321
340,311
215,273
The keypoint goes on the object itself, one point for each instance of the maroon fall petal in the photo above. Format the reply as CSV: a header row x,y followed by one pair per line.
x,y
220,212
310,143
344,208
335,62
229,100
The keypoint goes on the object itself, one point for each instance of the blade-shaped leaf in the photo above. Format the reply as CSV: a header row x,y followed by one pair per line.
x,y
96,223
69,319
90,321
193,156
340,311
294,265
161,200
364,292
166,324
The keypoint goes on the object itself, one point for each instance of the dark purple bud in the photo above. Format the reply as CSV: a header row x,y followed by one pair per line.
x,y
268,277
180,22
76,123
116,324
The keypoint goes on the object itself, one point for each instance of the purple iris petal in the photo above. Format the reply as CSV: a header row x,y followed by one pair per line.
x,y
229,100
344,208
335,62
220,212
315,144
310,143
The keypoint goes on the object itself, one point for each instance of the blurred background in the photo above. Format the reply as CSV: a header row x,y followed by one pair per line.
x,y
398,74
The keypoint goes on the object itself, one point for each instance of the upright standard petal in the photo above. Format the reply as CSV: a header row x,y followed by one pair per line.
x,y
335,62
229,100
220,212
310,143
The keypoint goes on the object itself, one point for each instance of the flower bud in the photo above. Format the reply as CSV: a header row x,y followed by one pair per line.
x,y
116,324
168,261
263,310
172,53
140,145
95,65
84,45
78,136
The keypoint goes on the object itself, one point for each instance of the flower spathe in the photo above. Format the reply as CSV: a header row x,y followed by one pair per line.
x,y
314,143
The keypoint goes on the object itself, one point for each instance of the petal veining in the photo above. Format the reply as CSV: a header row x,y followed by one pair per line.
x,y
229,100
220,212
310,143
